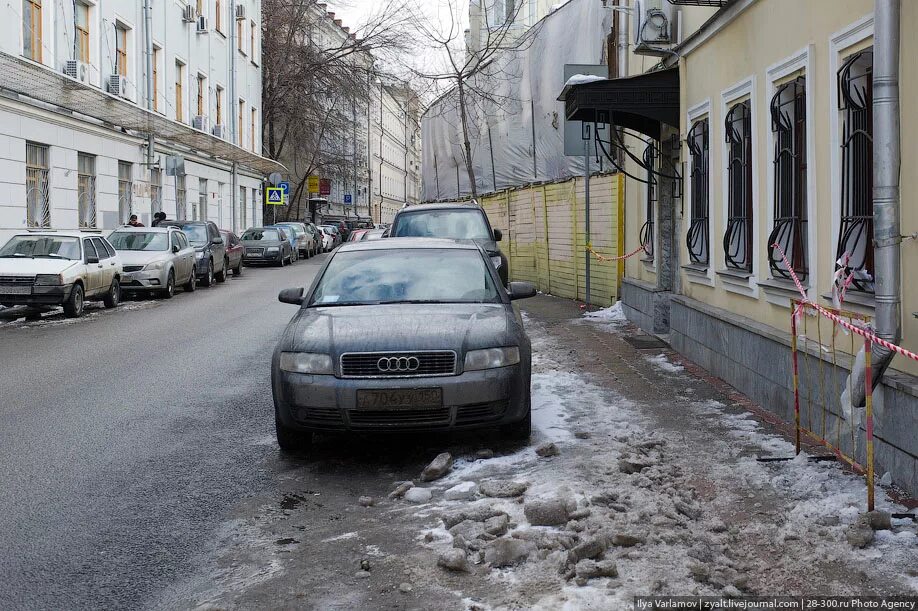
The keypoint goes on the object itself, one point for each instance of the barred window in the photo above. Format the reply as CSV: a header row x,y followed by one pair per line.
x,y
698,233
181,197
242,209
855,102
200,211
125,190
254,207
86,189
156,190
788,122
738,238
38,192
651,161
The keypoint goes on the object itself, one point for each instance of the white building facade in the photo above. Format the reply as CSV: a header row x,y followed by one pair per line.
x,y
395,146
74,117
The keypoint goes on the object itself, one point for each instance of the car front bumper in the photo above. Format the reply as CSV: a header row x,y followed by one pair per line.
x,y
144,280
475,399
41,295
266,258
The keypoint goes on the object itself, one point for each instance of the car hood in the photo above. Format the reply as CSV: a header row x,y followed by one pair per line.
x,y
142,257
402,327
32,267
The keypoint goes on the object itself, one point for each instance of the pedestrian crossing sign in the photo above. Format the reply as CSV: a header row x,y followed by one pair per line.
x,y
275,196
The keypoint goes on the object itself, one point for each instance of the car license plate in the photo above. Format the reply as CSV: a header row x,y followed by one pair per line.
x,y
15,290
399,398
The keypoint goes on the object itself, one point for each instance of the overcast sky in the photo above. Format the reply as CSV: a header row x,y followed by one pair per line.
x,y
354,13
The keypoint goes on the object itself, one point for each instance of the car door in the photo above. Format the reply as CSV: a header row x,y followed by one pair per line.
x,y
93,278
218,250
108,263
179,263
186,254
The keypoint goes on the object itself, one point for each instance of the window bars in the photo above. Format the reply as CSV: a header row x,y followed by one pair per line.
x,y
181,197
651,160
38,192
738,238
855,102
156,190
86,189
125,190
698,235
788,123
200,211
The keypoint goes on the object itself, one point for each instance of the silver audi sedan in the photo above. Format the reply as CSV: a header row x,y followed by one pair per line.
x,y
403,334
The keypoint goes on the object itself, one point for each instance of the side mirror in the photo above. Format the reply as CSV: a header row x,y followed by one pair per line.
x,y
498,235
217,241
291,296
90,259
175,249
521,290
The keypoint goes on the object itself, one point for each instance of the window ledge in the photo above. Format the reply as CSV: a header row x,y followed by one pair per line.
x,y
780,292
738,281
698,273
855,300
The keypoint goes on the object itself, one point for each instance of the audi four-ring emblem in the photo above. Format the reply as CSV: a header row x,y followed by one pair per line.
x,y
398,363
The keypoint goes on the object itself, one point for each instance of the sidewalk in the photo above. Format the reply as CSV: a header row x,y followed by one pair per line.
x,y
659,467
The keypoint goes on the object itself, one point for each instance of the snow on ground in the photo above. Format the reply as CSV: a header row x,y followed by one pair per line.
x,y
15,318
663,363
613,313
685,481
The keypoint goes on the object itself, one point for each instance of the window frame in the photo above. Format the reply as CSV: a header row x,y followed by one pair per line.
x,y
82,37
38,175
35,48
180,90
698,142
86,186
738,134
125,190
122,49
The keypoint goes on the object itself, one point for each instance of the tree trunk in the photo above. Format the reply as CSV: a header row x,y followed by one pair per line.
x,y
467,145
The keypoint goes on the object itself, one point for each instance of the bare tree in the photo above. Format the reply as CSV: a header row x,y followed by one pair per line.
x,y
470,69
316,80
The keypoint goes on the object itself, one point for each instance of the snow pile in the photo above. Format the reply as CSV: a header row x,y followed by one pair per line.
x,y
613,313
660,361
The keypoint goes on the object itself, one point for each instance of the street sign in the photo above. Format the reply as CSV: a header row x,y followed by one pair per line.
x,y
325,186
285,188
348,199
274,178
274,196
312,184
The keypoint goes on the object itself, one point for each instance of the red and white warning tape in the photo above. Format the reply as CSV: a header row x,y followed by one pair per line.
x,y
589,248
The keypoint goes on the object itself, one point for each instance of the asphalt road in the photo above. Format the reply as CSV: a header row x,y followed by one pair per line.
x,y
129,436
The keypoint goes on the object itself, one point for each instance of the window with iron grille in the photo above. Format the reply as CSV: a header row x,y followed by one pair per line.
x,y
698,236
86,189
651,159
738,238
125,190
156,190
181,197
242,208
788,123
38,192
200,212
254,207
855,102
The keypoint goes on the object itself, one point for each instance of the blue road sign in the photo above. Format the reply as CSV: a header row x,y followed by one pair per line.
x,y
285,191
275,196
348,199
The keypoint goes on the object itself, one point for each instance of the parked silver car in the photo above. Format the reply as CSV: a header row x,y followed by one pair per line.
x,y
155,259
383,342
306,240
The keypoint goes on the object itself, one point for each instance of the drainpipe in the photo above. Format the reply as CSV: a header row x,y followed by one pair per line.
x,y
148,47
621,46
886,166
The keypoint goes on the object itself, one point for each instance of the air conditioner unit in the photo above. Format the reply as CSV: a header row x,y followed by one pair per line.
x,y
117,85
219,131
189,14
200,123
78,70
203,26
240,12
655,27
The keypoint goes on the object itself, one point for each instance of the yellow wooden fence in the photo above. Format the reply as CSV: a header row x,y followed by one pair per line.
x,y
545,237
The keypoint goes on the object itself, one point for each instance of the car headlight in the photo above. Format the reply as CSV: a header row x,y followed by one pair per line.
x,y
496,262
306,362
491,358
156,265
199,254
49,280
273,249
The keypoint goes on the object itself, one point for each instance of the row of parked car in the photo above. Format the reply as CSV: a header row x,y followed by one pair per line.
x,y
45,267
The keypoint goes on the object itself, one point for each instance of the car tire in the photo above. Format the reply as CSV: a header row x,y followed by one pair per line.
x,y
209,278
192,284
113,297
169,291
237,271
519,431
292,441
73,307
221,276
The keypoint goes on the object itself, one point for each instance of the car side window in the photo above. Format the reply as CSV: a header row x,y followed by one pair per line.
x,y
89,250
108,247
100,249
176,242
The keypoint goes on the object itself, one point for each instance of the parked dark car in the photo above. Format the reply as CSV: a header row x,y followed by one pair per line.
x,y
382,342
266,245
454,221
234,250
210,250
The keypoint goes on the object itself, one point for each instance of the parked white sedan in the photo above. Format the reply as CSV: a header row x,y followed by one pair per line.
x,y
155,259
47,267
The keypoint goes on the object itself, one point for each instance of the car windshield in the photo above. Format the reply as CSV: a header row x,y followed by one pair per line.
x,y
409,275
141,240
266,235
293,229
454,224
42,246
197,234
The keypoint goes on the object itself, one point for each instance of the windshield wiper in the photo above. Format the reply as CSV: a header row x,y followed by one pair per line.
x,y
52,255
332,304
412,301
16,255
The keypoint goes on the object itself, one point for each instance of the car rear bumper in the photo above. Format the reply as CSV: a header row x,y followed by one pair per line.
x,y
477,399
41,295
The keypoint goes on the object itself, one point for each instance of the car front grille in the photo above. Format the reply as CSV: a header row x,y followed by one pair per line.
x,y
481,412
400,417
133,268
17,280
398,364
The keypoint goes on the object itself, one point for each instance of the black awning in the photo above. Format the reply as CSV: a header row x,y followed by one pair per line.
x,y
640,102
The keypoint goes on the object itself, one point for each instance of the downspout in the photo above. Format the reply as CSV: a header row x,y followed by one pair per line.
x,y
886,166
621,45
148,46
234,120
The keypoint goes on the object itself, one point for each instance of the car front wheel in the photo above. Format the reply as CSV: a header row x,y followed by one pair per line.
x,y
519,431
292,441
209,277
169,290
113,297
192,283
73,307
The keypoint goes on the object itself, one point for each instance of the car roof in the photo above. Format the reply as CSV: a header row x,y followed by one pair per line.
x,y
62,234
130,229
442,206
404,243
